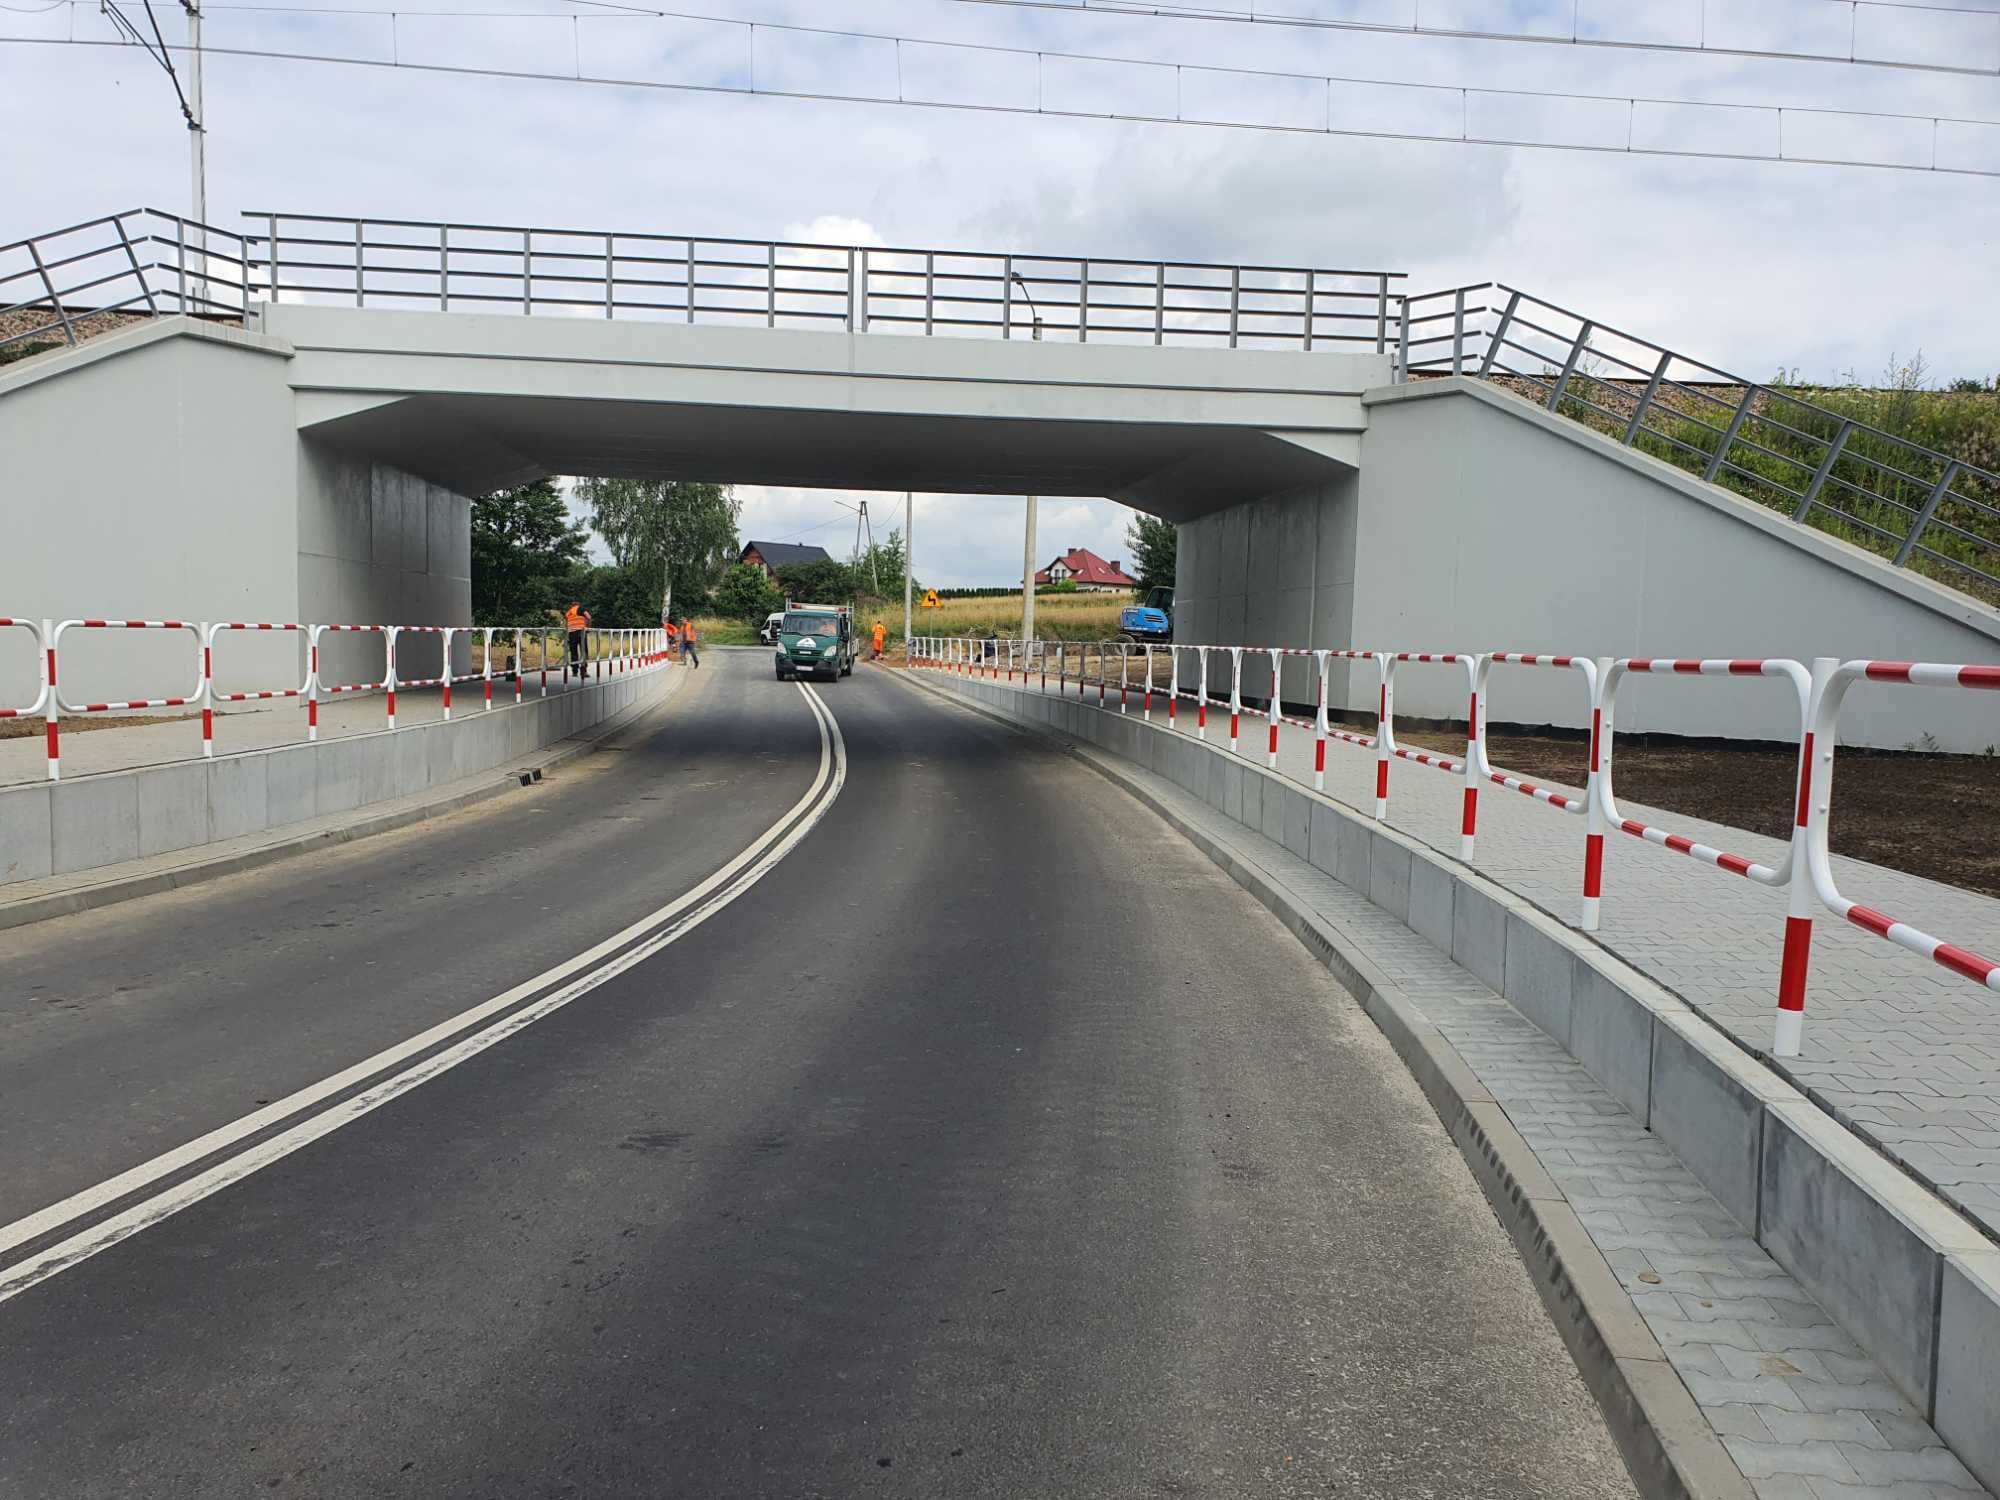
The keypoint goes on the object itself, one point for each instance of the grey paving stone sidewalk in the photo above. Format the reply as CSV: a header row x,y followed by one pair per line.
x,y
1902,1052
1804,1413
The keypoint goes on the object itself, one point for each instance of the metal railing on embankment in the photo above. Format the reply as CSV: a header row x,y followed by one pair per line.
x,y
1208,677
605,653
1913,505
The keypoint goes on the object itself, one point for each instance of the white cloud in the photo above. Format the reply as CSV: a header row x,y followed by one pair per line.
x,y
1752,267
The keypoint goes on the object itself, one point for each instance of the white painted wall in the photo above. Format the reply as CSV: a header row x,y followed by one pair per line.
x,y
158,474
1488,525
376,546
1277,572
1478,523
146,477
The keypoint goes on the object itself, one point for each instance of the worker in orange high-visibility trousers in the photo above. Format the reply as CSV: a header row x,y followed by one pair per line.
x,y
576,623
881,633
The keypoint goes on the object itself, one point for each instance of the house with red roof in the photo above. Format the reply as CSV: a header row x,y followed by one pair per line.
x,y
1089,572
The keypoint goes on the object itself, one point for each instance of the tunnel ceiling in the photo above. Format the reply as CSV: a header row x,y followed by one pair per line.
x,y
475,444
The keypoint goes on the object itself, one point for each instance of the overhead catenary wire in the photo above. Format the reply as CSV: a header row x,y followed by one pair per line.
x,y
1416,27
1463,133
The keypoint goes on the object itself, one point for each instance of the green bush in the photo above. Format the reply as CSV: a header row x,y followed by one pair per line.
x,y
745,593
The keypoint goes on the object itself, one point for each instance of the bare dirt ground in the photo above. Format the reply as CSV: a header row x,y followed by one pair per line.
x,y
1929,815
25,729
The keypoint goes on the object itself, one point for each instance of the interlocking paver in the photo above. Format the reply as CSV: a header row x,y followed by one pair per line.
x,y
1802,1410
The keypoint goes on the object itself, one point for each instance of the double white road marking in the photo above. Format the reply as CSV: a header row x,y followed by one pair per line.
x,y
390,1072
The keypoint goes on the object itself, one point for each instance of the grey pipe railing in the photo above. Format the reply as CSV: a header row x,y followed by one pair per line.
x,y
1912,505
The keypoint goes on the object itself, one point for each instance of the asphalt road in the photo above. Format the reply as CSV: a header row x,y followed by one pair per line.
x,y
992,1143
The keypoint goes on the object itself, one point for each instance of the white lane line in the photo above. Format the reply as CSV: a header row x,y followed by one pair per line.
x,y
682,915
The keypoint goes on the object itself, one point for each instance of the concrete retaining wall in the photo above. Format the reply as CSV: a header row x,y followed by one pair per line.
x,y
1477,522
159,473
89,821
1916,1285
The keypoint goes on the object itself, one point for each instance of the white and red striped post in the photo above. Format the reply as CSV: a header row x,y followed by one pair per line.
x,y
1276,681
1385,730
1475,740
207,691
520,662
1042,656
1235,695
487,665
1320,725
389,669
1593,834
1149,683
51,709
1201,698
1124,660
312,683
1173,682
1810,818
446,634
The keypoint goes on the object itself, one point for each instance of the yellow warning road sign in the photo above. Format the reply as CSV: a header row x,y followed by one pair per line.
x,y
931,600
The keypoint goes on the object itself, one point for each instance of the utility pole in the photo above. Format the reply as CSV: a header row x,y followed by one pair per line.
x,y
1028,536
198,160
189,99
909,569
197,118
1028,576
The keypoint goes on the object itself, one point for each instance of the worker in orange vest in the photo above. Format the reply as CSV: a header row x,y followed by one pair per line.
x,y
881,633
673,640
576,620
689,656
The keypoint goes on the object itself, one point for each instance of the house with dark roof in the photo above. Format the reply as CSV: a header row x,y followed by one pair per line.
x,y
771,556
1089,572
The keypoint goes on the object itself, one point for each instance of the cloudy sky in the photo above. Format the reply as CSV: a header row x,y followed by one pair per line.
x,y
1755,266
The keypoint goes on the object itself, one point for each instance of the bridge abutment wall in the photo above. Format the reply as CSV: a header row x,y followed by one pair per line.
x,y
1479,523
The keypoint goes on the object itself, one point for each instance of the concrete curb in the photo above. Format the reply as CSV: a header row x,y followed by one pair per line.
x,y
1672,1452
91,897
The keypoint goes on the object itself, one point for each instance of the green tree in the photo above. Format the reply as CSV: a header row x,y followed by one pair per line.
x,y
524,546
879,569
746,594
675,536
821,582
618,598
1154,543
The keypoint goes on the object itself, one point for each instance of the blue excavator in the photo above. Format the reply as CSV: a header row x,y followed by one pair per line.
x,y
1148,622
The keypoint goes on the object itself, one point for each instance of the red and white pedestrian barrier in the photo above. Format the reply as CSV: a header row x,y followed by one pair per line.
x,y
1475,727
1791,871
318,689
1831,681
210,697
45,671
56,705
1588,806
1805,873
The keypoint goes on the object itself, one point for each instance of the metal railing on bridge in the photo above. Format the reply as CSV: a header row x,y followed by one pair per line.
x,y
1915,506
144,262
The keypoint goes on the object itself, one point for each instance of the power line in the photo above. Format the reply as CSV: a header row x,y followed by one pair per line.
x,y
1576,36
1735,115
